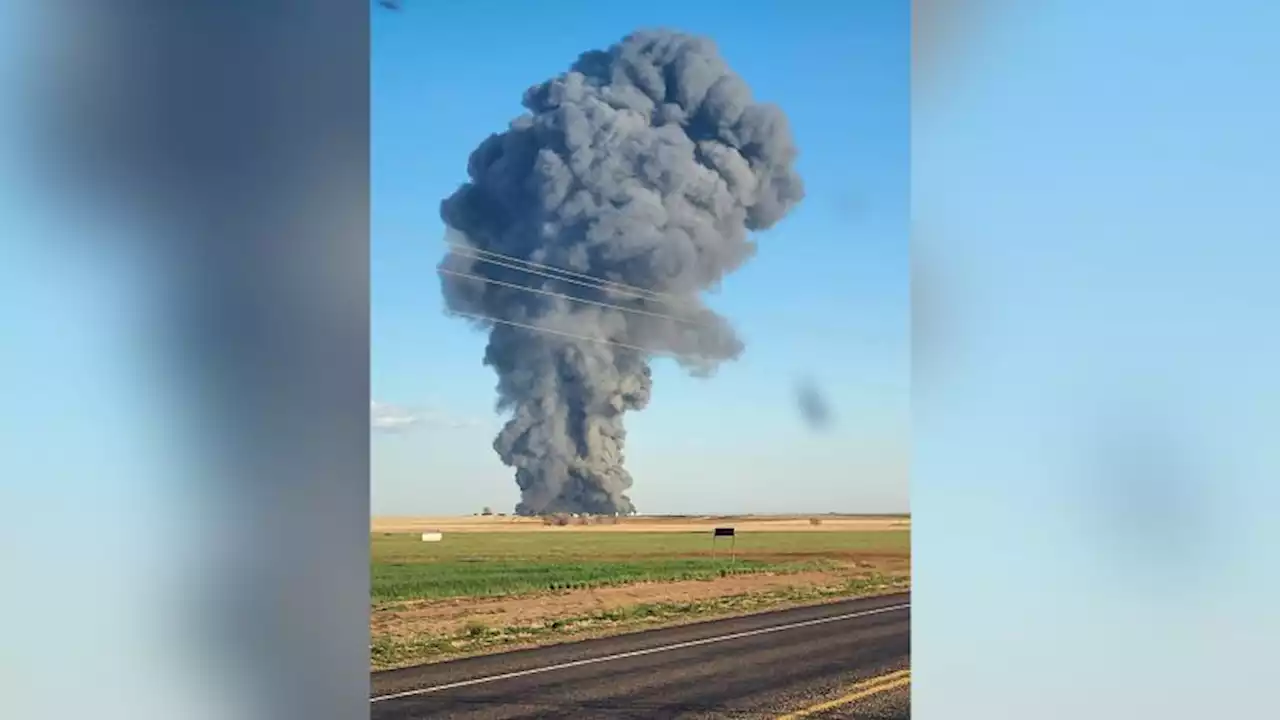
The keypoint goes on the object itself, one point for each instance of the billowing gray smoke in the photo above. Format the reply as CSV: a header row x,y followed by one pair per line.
x,y
643,166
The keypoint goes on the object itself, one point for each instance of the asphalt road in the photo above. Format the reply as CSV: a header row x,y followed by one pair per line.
x,y
759,666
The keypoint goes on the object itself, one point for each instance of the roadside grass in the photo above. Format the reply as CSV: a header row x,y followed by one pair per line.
x,y
388,652
516,563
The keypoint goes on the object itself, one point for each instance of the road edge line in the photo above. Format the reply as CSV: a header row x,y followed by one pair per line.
x,y
639,653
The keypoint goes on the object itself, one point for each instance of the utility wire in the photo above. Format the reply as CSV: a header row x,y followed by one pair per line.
x,y
543,269
587,338
556,273
612,284
593,285
550,293
790,324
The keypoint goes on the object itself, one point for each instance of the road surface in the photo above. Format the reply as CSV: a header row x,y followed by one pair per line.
x,y
842,660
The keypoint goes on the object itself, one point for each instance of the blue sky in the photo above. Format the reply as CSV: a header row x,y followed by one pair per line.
x,y
826,297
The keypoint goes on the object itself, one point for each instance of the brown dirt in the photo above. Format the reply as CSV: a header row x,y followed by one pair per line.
x,y
441,617
752,523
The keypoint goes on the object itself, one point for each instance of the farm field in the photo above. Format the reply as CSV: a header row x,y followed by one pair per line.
x,y
644,523
482,589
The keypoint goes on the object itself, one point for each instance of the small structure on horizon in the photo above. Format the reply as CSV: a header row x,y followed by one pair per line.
x,y
432,536
725,532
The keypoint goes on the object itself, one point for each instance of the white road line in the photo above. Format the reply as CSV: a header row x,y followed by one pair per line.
x,y
638,653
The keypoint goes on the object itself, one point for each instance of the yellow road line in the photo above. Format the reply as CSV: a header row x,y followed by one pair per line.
x,y
864,689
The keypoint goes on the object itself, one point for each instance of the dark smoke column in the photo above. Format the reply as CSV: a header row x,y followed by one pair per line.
x,y
645,165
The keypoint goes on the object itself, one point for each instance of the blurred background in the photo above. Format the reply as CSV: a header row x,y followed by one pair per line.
x,y
185,293
1091,481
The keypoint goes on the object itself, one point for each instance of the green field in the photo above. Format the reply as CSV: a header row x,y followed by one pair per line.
x,y
513,563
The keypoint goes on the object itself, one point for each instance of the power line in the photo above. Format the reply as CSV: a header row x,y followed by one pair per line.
x,y
557,277
542,269
610,284
587,338
550,293
824,332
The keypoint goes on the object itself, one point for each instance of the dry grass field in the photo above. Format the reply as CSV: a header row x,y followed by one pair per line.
x,y
642,523
497,583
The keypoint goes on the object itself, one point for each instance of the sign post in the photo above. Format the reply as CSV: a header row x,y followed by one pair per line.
x,y
725,532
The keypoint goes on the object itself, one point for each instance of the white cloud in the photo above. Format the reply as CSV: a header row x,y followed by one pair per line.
x,y
388,418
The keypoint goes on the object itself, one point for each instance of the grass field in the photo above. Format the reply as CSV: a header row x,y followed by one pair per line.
x,y
480,590
485,565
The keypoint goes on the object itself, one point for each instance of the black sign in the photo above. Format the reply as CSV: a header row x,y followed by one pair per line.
x,y
724,532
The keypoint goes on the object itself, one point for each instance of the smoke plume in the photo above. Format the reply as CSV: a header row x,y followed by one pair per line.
x,y
640,171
